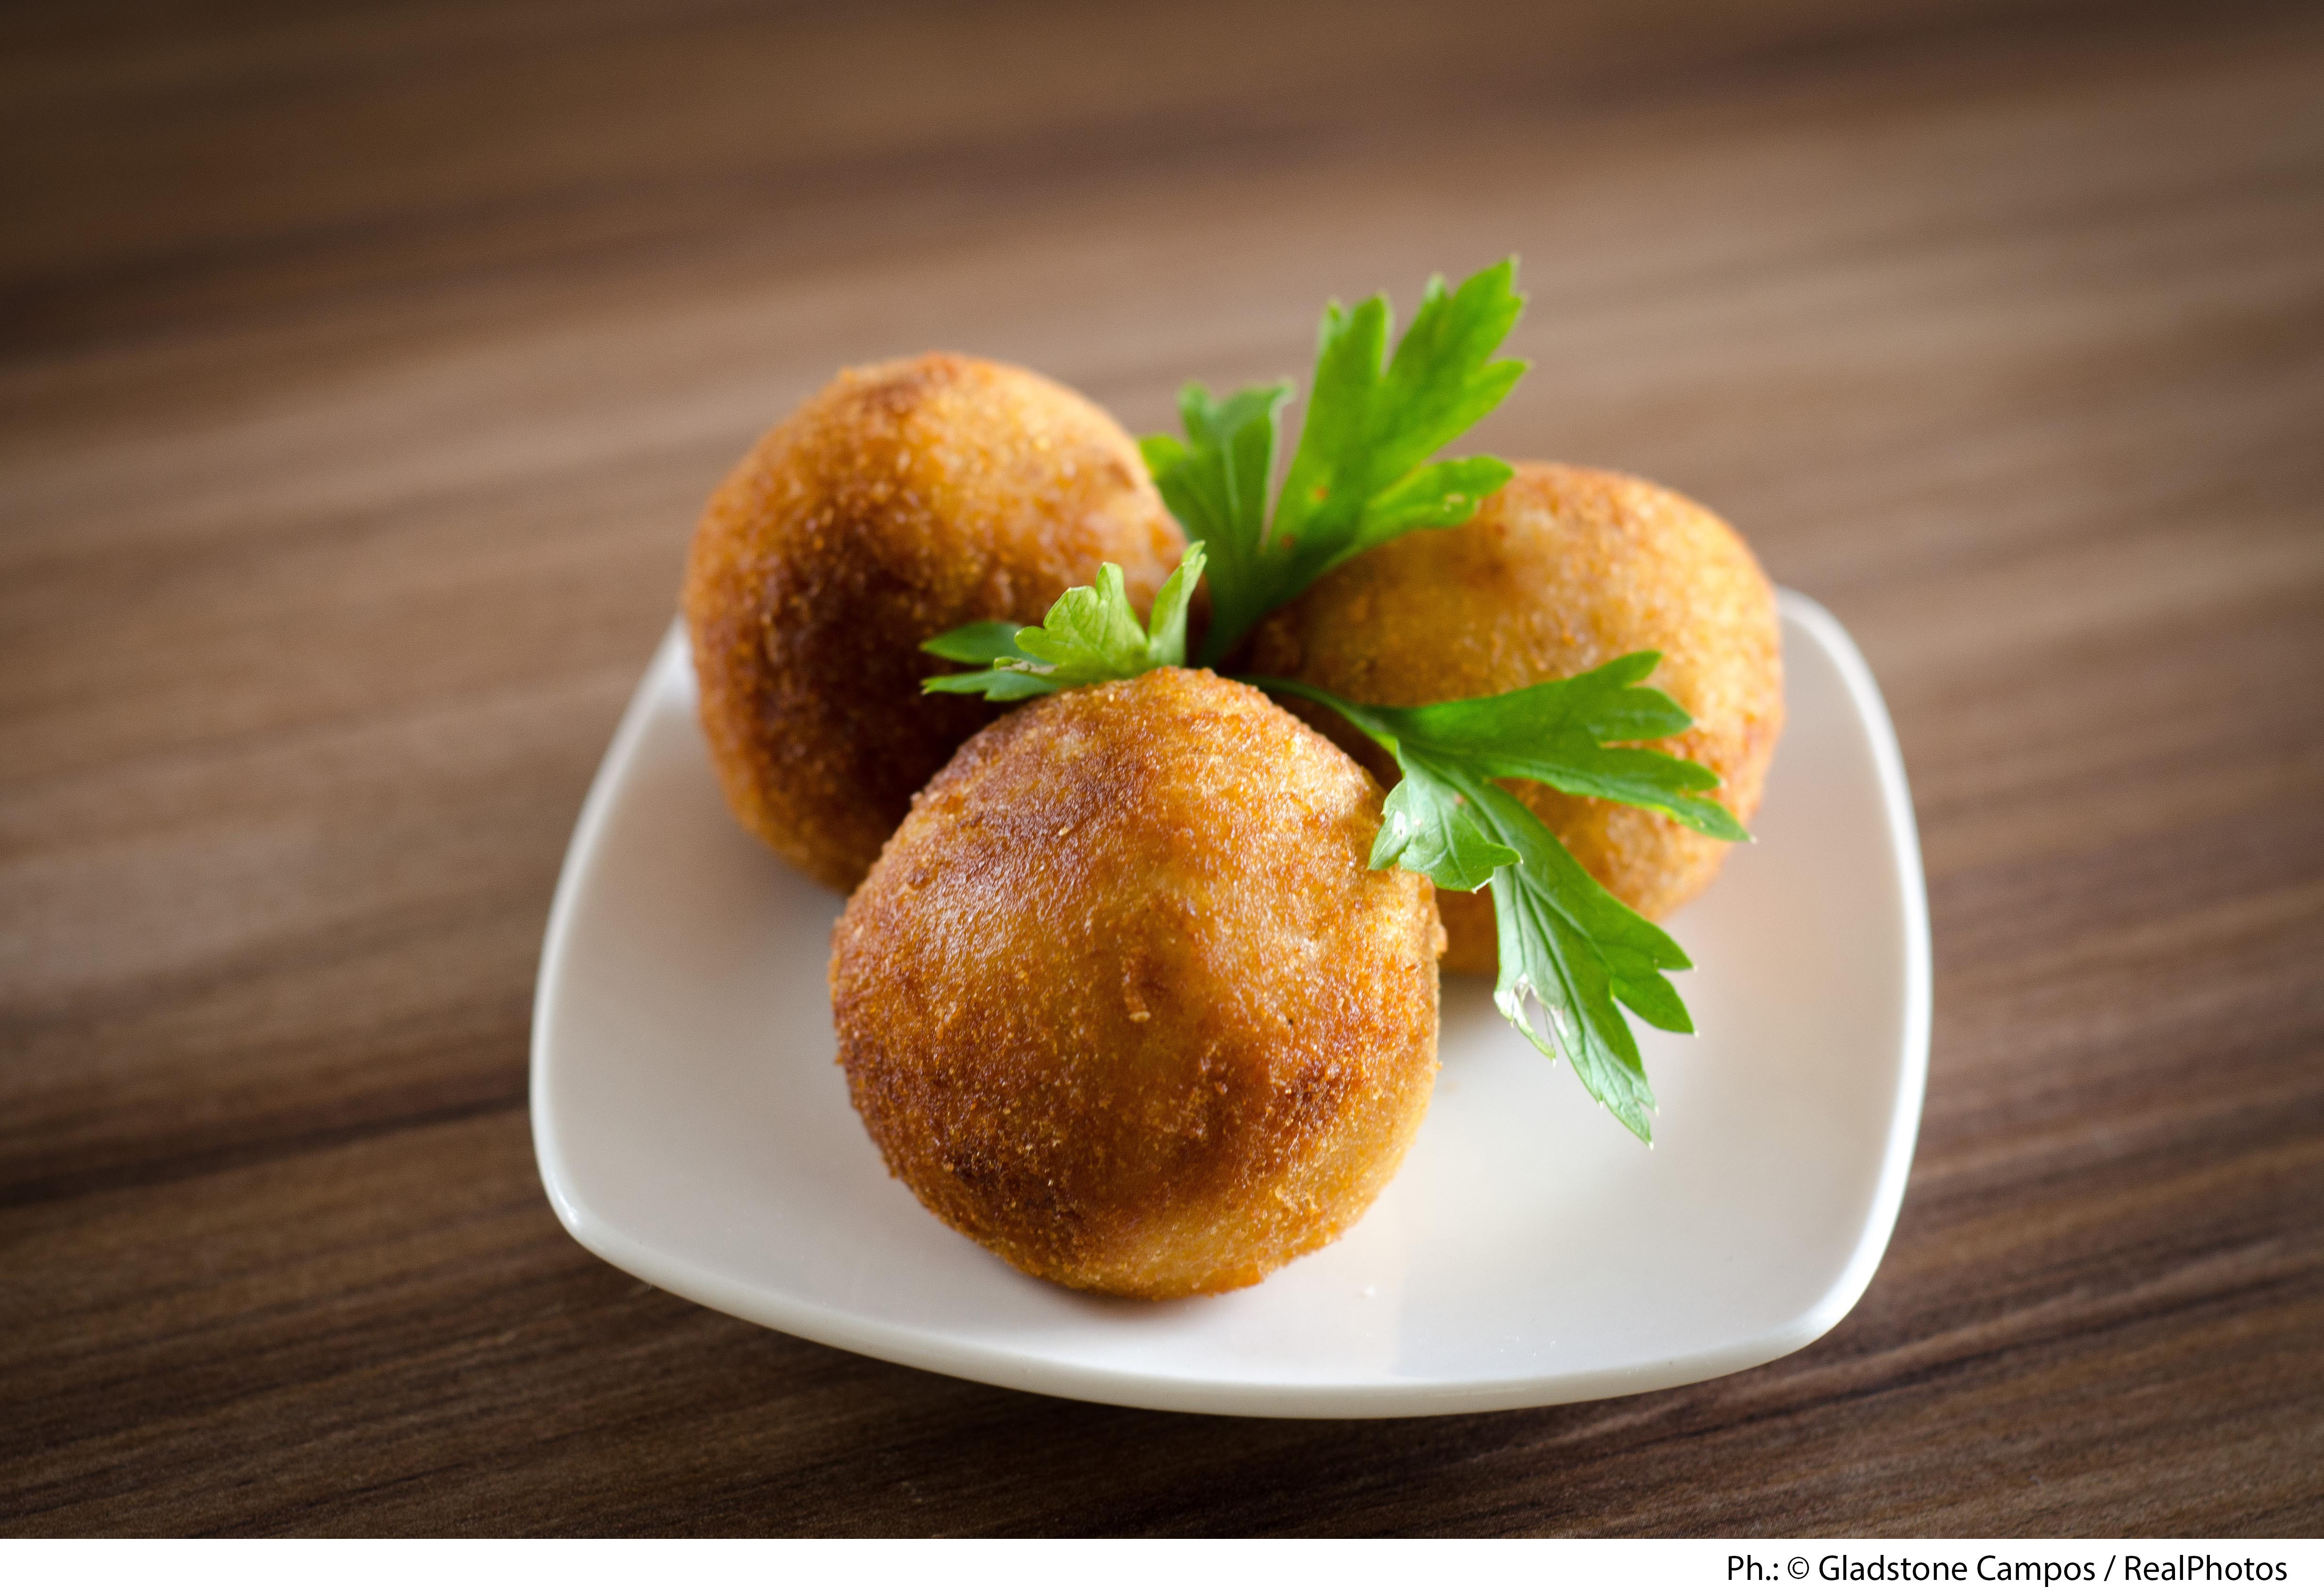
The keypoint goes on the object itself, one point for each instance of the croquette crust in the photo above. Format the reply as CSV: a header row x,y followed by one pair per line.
x,y
1560,571
1122,1000
903,500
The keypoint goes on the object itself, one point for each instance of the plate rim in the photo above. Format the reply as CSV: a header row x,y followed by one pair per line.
x,y
1383,1396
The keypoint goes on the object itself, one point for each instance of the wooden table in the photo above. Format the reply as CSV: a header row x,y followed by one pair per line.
x,y
363,373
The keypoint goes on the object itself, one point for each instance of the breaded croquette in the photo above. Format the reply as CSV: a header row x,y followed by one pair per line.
x,y
1122,1000
1560,571
901,502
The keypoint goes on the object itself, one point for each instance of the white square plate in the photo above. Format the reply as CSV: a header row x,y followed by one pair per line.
x,y
693,1128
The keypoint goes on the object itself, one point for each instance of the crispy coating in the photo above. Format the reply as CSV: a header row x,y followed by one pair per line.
x,y
1560,571
902,501
1122,1001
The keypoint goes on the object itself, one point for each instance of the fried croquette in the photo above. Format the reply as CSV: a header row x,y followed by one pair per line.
x,y
902,501
1560,571
1122,1001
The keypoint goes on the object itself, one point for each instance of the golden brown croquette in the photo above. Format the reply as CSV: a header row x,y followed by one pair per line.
x,y
1122,1001
1560,571
901,502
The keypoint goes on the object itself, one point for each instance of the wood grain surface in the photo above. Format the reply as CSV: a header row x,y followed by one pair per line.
x,y
364,370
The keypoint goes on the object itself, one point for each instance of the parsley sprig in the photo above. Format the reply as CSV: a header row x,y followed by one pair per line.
x,y
1091,634
1572,955
1571,951
1359,476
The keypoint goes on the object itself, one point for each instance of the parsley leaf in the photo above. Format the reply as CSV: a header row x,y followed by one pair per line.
x,y
1218,491
1571,951
1553,730
1359,477
1090,634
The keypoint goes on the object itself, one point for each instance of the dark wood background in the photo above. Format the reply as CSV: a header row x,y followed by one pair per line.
x,y
365,369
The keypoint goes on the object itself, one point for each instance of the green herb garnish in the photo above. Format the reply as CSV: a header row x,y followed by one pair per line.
x,y
1572,955
1360,477
1091,634
1570,950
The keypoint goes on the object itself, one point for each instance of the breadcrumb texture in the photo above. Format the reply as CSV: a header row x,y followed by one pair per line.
x,y
902,501
1122,999
1560,571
